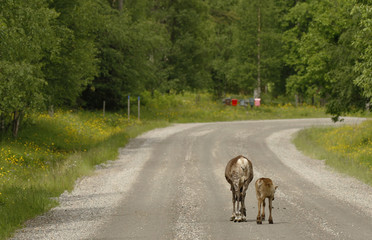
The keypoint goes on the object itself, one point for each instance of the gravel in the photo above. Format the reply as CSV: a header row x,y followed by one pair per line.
x,y
344,188
89,205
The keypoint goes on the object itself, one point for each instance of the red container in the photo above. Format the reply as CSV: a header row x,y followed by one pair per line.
x,y
234,102
257,102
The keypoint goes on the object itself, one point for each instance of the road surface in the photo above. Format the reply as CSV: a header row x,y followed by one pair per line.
x,y
169,184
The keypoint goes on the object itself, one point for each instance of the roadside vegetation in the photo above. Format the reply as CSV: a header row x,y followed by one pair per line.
x,y
346,148
51,152
191,107
302,58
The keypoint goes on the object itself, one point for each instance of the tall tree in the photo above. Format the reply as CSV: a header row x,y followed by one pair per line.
x,y
363,43
257,53
132,55
74,64
224,18
323,52
189,56
27,38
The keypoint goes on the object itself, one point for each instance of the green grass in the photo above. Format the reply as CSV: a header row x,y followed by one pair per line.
x,y
51,153
200,108
348,149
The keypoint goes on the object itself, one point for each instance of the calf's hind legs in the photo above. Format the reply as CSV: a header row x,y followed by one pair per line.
x,y
263,209
270,208
259,220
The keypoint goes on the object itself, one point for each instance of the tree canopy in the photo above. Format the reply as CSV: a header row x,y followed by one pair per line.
x,y
80,53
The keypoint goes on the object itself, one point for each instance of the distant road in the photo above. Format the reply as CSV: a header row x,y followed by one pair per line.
x,y
169,184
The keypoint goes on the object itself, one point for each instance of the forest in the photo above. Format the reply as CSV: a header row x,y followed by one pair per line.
x,y
68,53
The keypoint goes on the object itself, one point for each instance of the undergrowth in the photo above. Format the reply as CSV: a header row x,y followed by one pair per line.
x,y
201,108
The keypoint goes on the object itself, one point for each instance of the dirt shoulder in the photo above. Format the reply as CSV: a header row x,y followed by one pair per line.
x,y
339,185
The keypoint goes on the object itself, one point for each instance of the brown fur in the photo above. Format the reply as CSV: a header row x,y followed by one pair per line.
x,y
239,173
264,189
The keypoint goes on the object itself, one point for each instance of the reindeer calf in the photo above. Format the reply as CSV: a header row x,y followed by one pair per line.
x,y
264,189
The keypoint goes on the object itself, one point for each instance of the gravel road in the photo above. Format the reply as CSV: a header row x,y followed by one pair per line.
x,y
169,184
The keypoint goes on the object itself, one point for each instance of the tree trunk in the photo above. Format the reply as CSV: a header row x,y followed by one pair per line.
x,y
296,100
259,53
2,120
16,121
51,110
120,5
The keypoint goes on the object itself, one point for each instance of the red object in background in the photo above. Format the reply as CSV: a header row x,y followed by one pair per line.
x,y
257,102
234,102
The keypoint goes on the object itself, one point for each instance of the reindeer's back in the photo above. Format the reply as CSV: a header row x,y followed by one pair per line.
x,y
239,169
264,187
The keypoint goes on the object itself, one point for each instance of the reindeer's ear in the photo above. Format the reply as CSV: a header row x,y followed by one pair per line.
x,y
276,187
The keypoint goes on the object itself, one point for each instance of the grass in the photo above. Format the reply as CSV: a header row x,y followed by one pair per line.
x,y
200,108
347,148
51,153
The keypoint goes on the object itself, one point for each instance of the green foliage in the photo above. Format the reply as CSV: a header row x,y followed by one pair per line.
x,y
320,21
131,57
247,47
363,42
322,49
189,56
74,64
223,18
242,72
80,53
20,87
26,33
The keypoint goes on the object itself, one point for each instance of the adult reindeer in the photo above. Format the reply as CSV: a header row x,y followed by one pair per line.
x,y
239,173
